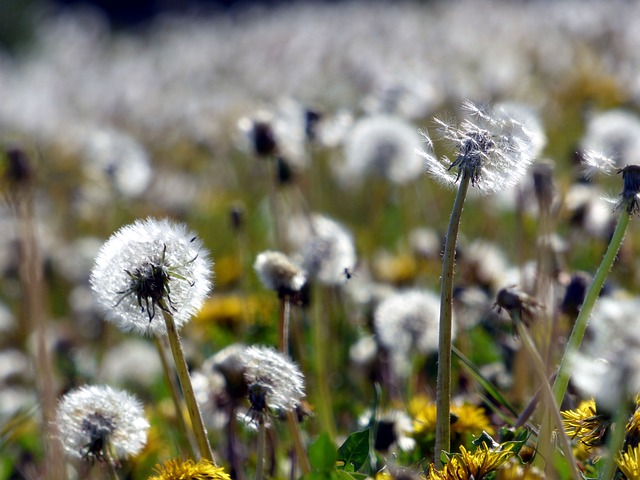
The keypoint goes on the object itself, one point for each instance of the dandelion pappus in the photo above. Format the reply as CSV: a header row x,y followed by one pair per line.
x,y
98,430
150,284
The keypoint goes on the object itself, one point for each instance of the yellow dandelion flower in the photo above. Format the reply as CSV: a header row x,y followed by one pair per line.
x,y
515,470
586,424
629,462
177,469
633,426
466,465
466,418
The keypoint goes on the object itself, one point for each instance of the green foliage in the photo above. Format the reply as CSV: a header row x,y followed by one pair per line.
x,y
353,453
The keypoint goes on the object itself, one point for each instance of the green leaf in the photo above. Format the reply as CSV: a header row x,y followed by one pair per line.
x,y
354,451
322,454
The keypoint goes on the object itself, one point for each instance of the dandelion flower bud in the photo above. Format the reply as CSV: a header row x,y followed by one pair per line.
x,y
98,422
494,149
630,189
149,268
273,379
277,272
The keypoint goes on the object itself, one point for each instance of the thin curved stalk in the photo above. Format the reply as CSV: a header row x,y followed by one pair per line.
x,y
187,389
443,391
562,379
616,441
539,368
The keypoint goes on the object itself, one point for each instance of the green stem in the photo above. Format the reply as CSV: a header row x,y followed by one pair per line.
x,y
540,369
562,380
443,391
320,345
283,327
260,450
616,441
187,389
175,394
298,442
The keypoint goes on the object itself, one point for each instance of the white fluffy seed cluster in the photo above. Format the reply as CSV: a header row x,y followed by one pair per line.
x,y
324,247
131,251
282,378
278,272
384,145
495,147
408,322
115,415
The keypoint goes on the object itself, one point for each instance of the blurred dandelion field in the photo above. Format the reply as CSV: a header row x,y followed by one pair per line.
x,y
278,185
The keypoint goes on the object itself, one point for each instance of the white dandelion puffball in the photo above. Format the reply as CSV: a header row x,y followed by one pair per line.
x,y
409,320
325,248
277,272
384,145
281,378
95,421
493,148
147,269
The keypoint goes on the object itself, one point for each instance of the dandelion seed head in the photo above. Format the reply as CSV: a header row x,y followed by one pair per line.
x,y
277,272
408,322
278,378
492,147
325,248
149,266
615,134
383,145
99,420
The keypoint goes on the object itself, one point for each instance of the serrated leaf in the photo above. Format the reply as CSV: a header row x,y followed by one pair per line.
x,y
322,454
354,451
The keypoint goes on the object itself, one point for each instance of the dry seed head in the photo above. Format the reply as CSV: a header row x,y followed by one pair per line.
x,y
99,422
277,272
149,268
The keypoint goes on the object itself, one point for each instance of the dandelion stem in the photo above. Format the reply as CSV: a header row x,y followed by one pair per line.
x,y
443,392
262,434
283,333
540,370
616,440
185,382
320,338
175,394
33,291
562,379
301,452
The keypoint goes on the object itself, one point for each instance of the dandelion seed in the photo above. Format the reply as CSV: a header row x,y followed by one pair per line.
x,y
615,134
325,248
99,422
406,322
147,268
493,148
177,469
383,145
275,383
277,272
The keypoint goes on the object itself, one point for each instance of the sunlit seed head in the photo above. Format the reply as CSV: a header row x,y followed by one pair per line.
x,y
406,323
280,381
615,134
382,145
324,248
493,148
277,272
149,268
99,422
